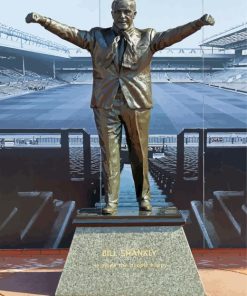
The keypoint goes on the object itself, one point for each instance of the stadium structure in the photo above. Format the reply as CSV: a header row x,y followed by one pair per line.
x,y
220,61
49,150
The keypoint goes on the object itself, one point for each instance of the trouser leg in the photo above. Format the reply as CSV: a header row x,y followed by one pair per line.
x,y
110,131
136,123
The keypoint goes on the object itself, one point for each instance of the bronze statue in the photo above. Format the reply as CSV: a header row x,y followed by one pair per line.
x,y
121,57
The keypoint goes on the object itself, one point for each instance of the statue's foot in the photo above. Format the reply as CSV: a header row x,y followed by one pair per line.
x,y
109,209
145,205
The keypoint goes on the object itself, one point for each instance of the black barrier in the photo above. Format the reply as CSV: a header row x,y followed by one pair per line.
x,y
38,193
206,160
41,164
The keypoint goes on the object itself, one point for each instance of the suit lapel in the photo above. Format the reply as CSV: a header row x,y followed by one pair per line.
x,y
129,56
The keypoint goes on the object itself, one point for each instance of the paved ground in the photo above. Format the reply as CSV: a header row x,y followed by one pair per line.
x,y
223,271
176,106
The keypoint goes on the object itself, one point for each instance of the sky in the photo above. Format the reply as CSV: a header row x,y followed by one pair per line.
x,y
158,14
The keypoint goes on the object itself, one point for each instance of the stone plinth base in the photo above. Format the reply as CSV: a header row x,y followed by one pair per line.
x,y
130,261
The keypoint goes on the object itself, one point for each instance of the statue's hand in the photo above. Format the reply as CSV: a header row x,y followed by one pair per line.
x,y
207,19
33,17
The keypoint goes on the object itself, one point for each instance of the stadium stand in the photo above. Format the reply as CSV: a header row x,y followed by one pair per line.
x,y
12,82
175,164
217,218
75,77
234,79
70,181
221,65
234,74
176,177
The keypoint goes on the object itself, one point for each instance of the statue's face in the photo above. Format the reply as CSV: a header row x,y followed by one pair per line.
x,y
123,14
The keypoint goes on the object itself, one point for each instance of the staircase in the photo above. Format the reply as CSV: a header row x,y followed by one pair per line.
x,y
222,220
127,195
34,220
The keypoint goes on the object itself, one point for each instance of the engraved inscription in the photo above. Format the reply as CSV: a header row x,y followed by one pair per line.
x,y
135,254
129,253
108,253
140,265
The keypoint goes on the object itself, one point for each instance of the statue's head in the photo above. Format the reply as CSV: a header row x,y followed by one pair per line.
x,y
123,13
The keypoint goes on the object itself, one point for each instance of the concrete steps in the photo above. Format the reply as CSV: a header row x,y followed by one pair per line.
x,y
216,229
232,203
32,220
62,222
127,195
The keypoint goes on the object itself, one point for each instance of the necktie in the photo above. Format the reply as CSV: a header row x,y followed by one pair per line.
x,y
121,48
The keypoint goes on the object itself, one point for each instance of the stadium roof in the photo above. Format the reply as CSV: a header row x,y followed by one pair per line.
x,y
235,38
7,32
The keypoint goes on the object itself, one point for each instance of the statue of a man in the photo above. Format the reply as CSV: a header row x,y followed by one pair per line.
x,y
121,97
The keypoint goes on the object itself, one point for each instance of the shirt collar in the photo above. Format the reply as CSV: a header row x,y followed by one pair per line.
x,y
129,31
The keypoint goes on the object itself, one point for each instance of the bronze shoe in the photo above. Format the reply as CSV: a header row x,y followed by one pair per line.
x,y
109,209
145,205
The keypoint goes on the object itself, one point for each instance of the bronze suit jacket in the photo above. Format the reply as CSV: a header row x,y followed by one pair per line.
x,y
134,76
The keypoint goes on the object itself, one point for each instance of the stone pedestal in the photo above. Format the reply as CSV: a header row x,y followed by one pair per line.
x,y
130,261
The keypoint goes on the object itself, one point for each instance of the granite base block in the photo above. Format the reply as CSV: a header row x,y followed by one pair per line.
x,y
130,261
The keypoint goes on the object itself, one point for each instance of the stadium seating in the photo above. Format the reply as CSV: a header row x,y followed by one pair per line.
x,y
13,82
76,77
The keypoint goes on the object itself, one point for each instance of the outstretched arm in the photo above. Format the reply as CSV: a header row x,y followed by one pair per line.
x,y
169,37
83,39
